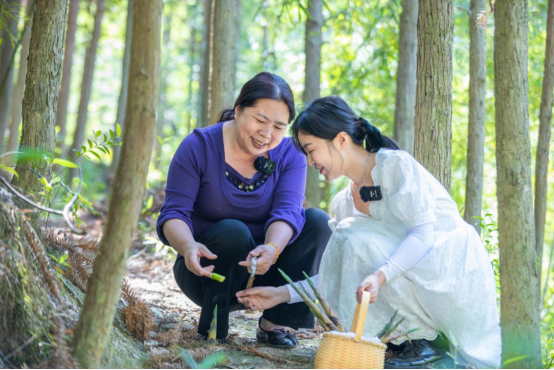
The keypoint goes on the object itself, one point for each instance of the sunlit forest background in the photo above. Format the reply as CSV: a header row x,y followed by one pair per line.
x,y
359,60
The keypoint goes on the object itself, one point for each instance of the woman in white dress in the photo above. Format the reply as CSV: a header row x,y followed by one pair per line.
x,y
397,234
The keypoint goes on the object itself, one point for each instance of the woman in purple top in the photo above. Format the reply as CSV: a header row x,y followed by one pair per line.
x,y
235,191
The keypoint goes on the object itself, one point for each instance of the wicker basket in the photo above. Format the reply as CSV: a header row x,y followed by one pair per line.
x,y
342,352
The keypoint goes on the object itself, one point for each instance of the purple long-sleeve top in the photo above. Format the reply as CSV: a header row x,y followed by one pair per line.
x,y
199,193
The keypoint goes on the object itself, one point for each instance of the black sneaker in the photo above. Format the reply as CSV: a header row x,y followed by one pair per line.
x,y
420,354
279,338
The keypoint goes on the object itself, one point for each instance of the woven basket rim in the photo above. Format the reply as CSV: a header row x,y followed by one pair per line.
x,y
350,339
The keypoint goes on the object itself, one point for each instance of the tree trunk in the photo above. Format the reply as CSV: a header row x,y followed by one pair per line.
x,y
6,66
42,85
66,74
122,102
404,113
541,170
164,76
206,66
86,86
476,124
519,276
192,63
433,113
27,309
95,323
314,40
224,59
20,86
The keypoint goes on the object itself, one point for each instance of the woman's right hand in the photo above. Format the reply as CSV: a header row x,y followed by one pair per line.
x,y
192,254
263,298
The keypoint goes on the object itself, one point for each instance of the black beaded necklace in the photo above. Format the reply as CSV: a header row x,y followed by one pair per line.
x,y
242,186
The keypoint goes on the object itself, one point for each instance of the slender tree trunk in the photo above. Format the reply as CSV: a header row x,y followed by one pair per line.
x,y
42,85
192,63
313,41
6,66
476,126
206,66
222,92
96,321
404,113
122,102
433,112
519,276
17,102
541,170
86,85
162,103
66,74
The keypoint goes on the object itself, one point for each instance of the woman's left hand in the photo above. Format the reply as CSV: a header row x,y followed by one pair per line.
x,y
266,255
372,284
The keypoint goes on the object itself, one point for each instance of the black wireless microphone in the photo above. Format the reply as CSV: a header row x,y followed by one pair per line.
x,y
371,193
265,165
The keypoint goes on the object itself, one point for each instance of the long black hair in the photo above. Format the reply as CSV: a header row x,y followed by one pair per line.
x,y
264,85
326,117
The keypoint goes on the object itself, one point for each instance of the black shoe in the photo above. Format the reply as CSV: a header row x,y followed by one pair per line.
x,y
279,338
420,354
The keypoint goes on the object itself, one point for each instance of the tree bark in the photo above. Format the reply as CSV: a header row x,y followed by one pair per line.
x,y
86,85
162,102
476,124
6,66
17,102
192,62
96,321
519,276
541,169
205,67
404,114
313,42
433,112
122,102
224,59
66,74
42,85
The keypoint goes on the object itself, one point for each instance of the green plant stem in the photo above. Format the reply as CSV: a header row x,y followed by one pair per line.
x,y
328,323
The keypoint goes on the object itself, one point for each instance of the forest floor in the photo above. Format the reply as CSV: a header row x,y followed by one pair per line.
x,y
150,275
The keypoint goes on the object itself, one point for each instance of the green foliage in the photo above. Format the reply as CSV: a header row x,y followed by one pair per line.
x,y
211,361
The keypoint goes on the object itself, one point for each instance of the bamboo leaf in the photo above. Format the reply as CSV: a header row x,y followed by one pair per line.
x,y
95,154
118,129
64,163
9,169
98,133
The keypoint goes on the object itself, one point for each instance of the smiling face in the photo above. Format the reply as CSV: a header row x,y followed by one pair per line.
x,y
262,127
324,155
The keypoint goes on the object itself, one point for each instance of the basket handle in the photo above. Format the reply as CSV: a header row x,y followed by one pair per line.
x,y
359,317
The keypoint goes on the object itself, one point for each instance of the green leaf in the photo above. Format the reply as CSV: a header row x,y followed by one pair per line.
x,y
150,202
513,359
118,129
212,361
90,143
111,134
64,163
95,154
9,169
105,138
101,149
83,148
98,133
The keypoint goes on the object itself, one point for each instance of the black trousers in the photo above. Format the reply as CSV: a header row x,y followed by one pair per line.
x,y
231,241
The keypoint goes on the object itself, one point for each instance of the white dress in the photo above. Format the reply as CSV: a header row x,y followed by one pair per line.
x,y
451,290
